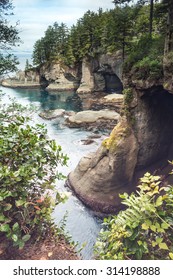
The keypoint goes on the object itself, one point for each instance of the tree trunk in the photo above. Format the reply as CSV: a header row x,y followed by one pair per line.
x,y
169,33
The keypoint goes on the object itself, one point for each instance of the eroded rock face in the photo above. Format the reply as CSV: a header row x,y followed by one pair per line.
x,y
153,125
143,137
60,77
99,177
87,81
103,74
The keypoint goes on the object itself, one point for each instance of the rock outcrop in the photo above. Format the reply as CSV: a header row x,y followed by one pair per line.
x,y
60,77
110,101
87,80
103,119
101,74
23,79
52,114
100,177
142,139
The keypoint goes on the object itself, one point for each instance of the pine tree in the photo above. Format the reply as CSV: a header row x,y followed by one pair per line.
x,y
8,38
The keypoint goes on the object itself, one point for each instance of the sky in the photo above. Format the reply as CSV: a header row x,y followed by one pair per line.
x,y
36,15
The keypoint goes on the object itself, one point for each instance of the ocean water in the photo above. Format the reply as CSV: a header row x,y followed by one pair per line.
x,y
22,57
81,223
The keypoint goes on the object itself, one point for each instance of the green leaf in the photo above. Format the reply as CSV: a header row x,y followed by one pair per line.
x,y
21,244
2,218
153,228
159,240
165,226
14,237
157,225
15,227
5,228
154,243
159,201
148,222
145,226
171,256
19,202
26,237
7,207
163,246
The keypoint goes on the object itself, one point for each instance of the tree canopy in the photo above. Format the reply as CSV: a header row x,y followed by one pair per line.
x,y
9,37
102,32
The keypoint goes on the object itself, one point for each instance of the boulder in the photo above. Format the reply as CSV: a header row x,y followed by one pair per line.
x,y
110,101
93,119
51,114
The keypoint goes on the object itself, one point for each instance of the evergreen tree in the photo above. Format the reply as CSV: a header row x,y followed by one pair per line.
x,y
38,55
27,66
140,2
8,38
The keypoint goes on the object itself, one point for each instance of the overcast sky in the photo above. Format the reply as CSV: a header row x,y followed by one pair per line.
x,y
36,15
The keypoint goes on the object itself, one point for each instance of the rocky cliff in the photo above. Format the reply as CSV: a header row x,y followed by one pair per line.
x,y
101,74
141,141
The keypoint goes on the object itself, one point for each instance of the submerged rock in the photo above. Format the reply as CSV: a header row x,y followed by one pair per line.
x,y
52,114
87,141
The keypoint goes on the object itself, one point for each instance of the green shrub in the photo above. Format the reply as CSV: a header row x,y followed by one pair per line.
x,y
145,229
146,48
28,170
168,62
148,68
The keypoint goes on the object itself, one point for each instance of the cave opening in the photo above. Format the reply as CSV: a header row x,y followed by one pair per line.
x,y
43,82
108,77
155,127
113,83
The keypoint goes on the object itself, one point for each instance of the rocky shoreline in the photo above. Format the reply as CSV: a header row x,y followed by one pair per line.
x,y
103,74
10,83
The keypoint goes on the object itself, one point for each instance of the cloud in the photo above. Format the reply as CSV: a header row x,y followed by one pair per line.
x,y
36,15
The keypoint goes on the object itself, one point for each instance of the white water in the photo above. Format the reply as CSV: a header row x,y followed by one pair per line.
x,y
81,224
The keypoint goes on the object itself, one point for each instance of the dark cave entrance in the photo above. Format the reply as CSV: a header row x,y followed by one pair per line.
x,y
108,79
155,127
113,83
43,82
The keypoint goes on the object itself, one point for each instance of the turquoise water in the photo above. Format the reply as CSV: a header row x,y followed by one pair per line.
x,y
81,224
65,100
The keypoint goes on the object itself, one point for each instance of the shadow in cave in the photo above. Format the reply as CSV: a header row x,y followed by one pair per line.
x,y
113,84
154,131
111,80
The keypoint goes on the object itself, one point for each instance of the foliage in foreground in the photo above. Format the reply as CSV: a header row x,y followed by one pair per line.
x,y
28,170
145,229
